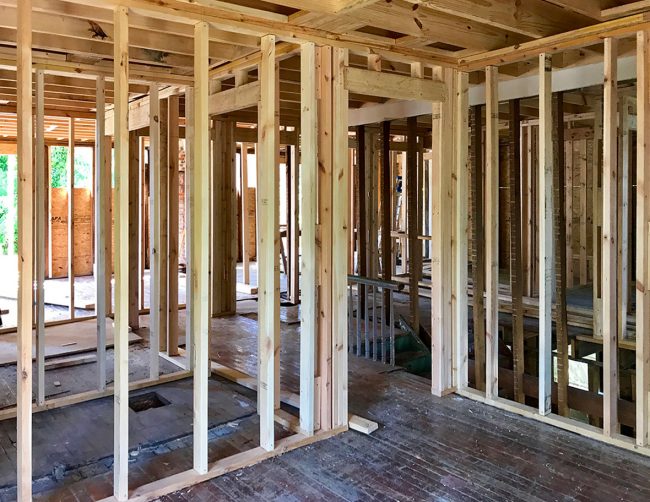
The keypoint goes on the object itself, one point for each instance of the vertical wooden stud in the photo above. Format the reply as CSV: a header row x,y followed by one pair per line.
x,y
155,229
200,246
268,243
172,222
308,189
70,180
102,234
545,223
39,248
121,329
609,240
492,232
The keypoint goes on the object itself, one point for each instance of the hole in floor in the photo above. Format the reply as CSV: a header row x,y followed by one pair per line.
x,y
147,401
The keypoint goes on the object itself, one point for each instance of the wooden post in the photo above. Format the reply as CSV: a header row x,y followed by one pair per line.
x,y
133,223
415,250
156,230
559,231
597,218
25,252
39,249
102,234
624,190
244,215
462,229
172,222
340,236
643,238
609,241
70,189
308,186
200,219
545,223
224,220
478,249
324,235
163,196
492,232
189,201
385,202
293,231
268,243
121,329
516,266
108,216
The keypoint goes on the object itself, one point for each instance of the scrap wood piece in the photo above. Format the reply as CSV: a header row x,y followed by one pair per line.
x,y
363,425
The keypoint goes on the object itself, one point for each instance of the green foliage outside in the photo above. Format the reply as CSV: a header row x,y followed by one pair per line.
x,y
59,179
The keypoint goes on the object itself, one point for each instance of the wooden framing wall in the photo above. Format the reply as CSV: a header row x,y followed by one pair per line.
x,y
327,80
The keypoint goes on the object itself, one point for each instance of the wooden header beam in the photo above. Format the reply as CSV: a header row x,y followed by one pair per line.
x,y
392,86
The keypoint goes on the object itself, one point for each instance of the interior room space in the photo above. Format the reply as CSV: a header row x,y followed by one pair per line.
x,y
334,250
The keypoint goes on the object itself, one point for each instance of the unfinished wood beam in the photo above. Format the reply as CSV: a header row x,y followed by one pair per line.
x,y
609,240
545,225
559,231
102,233
25,253
492,232
309,200
70,189
624,231
40,178
224,219
121,328
293,231
268,243
200,245
245,220
643,239
478,249
340,228
155,230
516,266
462,167
189,202
385,202
415,249
172,222
595,163
133,223
392,86
163,196
324,234
441,208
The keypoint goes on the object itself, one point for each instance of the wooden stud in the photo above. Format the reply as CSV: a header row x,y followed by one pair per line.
x,y
643,238
172,222
70,189
102,233
609,240
340,229
324,234
25,252
386,208
189,202
133,223
293,231
461,127
121,329
39,248
268,247
624,192
594,155
308,189
478,249
516,266
545,223
155,230
492,232
415,250
163,195
559,231
200,247
245,223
